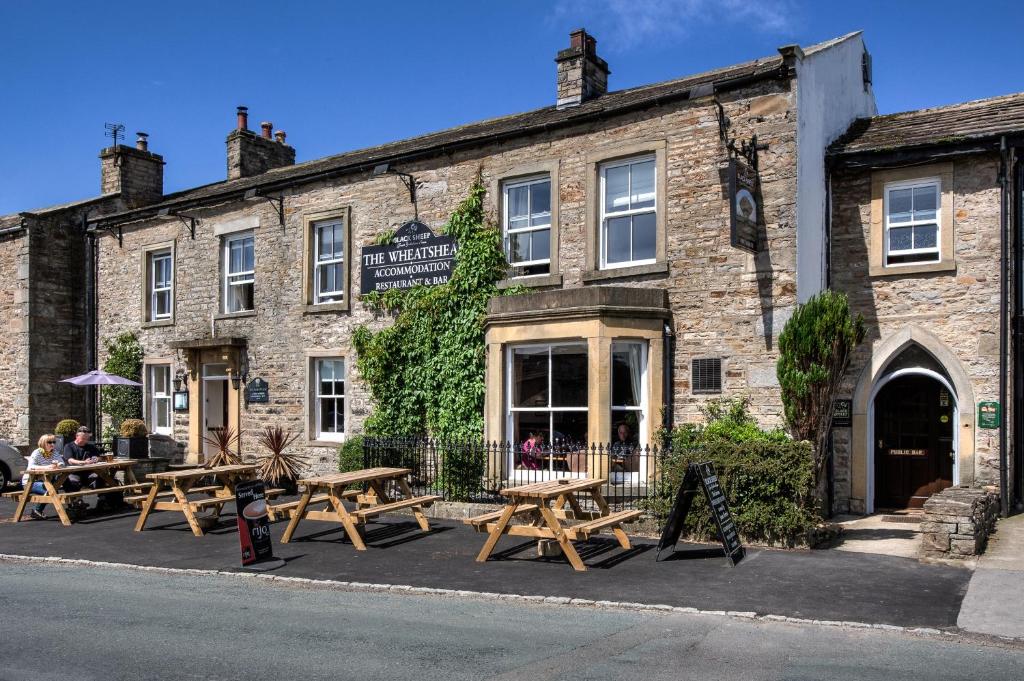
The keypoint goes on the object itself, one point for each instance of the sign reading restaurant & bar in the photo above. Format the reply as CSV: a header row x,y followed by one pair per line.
x,y
414,256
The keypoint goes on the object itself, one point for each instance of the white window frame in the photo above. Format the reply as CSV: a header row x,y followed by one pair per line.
x,y
329,436
507,231
641,409
512,410
155,291
338,295
934,182
156,402
604,215
248,276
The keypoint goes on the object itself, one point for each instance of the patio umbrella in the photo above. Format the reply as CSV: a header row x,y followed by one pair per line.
x,y
100,377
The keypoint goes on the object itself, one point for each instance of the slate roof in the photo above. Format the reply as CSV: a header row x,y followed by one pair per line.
x,y
977,121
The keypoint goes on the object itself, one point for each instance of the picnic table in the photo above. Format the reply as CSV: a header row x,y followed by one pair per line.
x,y
53,479
331,489
170,490
542,506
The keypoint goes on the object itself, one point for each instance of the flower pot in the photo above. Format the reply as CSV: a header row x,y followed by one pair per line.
x,y
133,447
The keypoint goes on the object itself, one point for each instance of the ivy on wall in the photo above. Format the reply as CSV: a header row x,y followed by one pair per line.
x,y
120,402
425,372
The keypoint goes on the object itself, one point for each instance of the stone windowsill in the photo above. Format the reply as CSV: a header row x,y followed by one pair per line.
x,y
324,443
323,308
157,324
235,315
904,270
539,281
622,272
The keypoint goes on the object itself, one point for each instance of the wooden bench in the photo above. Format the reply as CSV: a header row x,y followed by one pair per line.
x,y
594,526
479,522
104,490
369,512
138,499
219,501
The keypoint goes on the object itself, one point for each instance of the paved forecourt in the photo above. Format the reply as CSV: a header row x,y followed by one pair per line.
x,y
826,585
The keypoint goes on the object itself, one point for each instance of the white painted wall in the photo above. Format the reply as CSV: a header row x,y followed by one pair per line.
x,y
830,95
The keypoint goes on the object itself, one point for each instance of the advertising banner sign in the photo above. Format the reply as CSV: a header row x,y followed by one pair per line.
x,y
253,525
415,256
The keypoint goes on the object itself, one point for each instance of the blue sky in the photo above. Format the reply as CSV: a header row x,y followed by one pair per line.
x,y
344,75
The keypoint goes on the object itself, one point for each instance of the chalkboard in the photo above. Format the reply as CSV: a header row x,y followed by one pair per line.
x,y
702,476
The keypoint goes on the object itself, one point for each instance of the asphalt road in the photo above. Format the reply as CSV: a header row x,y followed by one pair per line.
x,y
83,623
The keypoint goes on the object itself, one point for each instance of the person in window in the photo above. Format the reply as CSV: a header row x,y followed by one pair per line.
x,y
44,457
533,448
623,450
81,452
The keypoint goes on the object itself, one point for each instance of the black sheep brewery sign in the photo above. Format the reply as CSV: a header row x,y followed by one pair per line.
x,y
743,209
415,256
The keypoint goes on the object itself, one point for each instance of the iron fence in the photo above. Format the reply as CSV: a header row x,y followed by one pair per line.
x,y
477,471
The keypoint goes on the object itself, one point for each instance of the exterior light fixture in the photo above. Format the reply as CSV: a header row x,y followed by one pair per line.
x,y
276,201
408,180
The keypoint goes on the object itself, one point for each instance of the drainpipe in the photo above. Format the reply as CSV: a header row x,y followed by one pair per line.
x,y
90,319
1004,170
668,377
1017,327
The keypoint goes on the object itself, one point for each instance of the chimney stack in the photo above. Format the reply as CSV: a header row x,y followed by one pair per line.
x,y
251,154
279,136
582,75
136,173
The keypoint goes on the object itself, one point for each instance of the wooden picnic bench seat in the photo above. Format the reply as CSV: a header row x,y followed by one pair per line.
x,y
12,495
598,524
289,506
104,490
371,511
479,522
137,499
215,501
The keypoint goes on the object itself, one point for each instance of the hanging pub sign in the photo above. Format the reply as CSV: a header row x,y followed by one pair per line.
x,y
702,476
414,256
257,391
743,208
842,414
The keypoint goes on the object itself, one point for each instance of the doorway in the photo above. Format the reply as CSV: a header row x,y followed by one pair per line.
x,y
914,440
215,404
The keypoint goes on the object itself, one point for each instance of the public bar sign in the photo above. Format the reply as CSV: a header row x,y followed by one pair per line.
x,y
743,207
842,414
702,476
415,256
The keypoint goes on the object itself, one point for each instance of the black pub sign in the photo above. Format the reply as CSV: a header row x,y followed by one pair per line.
x,y
743,208
257,391
842,414
415,256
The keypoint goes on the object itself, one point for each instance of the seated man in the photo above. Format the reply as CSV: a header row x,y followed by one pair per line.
x,y
624,451
81,452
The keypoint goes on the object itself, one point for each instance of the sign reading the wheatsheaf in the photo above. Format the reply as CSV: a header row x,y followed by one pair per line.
x,y
743,210
414,256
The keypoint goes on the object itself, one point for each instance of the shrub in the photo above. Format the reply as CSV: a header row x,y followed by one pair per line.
x,y
133,428
223,439
279,468
350,454
66,428
124,358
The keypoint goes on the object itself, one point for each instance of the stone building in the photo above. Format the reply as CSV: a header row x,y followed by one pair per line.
x,y
916,228
614,205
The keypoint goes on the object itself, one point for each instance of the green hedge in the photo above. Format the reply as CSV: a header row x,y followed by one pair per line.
x,y
350,454
769,486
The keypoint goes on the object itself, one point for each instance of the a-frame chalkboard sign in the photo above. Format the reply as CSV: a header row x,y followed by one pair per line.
x,y
702,475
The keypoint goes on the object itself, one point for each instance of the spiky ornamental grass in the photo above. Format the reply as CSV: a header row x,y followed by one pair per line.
x,y
814,353
223,439
279,466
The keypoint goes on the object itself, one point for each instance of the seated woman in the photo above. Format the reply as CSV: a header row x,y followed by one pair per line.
x,y
532,450
44,457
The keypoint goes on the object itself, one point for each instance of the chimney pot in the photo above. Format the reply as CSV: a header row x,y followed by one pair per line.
x,y
267,127
243,118
279,136
581,74
142,141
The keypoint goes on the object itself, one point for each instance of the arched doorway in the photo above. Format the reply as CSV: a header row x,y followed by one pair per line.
x,y
914,437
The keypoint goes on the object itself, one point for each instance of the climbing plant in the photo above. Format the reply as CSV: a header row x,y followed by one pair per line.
x,y
814,352
425,371
124,358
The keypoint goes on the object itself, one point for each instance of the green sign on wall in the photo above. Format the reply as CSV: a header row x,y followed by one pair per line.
x,y
989,415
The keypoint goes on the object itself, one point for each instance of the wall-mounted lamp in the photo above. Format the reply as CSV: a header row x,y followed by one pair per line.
x,y
408,180
242,375
180,379
276,201
190,221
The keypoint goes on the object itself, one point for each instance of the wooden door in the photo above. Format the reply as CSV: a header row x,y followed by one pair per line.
x,y
913,441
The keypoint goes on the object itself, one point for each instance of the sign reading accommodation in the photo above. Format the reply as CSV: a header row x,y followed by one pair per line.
x,y
702,475
743,208
415,256
257,391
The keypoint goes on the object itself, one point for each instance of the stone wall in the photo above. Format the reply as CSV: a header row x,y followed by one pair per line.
x,y
959,309
958,522
725,303
14,304
249,154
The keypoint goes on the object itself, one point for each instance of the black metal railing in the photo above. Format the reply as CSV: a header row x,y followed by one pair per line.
x,y
477,471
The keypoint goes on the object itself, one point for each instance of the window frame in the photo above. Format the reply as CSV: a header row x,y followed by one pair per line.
x,y
310,302
154,291
318,433
506,231
342,293
146,277
228,240
151,398
912,184
604,216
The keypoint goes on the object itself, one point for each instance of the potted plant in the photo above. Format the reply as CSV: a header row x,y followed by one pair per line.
x,y
223,439
132,441
65,432
280,469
